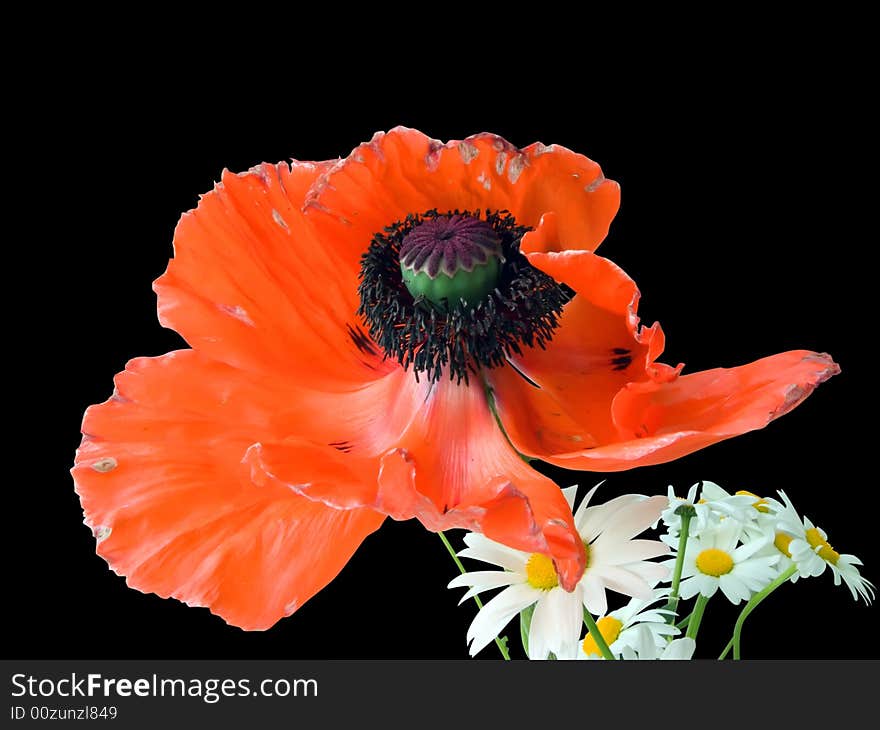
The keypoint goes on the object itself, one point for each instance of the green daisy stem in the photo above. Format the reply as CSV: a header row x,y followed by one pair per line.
x,y
749,607
672,604
684,622
697,616
597,635
500,643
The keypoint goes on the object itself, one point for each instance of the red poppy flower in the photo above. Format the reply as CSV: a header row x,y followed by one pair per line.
x,y
336,377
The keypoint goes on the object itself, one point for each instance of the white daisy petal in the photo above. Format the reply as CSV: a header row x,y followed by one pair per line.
x,y
680,649
485,580
634,550
809,564
569,618
556,624
540,630
651,573
482,548
580,514
655,615
594,519
595,600
852,588
644,648
734,588
663,629
711,491
623,581
858,586
725,536
488,578
644,645
569,493
496,614
708,584
634,518
689,587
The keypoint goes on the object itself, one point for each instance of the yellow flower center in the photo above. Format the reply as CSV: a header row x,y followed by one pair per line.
x,y
760,504
826,552
610,628
782,541
714,562
540,572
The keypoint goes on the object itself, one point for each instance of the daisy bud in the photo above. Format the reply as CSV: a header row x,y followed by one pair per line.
x,y
686,510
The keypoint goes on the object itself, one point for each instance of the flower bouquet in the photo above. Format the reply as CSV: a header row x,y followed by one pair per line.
x,y
408,333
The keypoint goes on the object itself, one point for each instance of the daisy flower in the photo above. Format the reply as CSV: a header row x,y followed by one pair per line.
x,y
614,561
743,506
340,372
807,546
711,504
625,627
702,516
712,561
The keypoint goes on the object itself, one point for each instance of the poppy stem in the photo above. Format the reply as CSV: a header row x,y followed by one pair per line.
x,y
749,607
672,605
597,635
500,643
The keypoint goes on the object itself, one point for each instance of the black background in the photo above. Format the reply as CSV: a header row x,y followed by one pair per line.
x,y
742,193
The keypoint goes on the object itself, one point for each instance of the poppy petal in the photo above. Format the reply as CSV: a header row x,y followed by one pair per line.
x,y
660,422
451,468
250,285
364,420
596,398
162,485
560,193
564,401
463,473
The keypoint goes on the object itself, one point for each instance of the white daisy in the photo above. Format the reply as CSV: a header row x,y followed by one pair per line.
x,y
714,561
624,627
702,518
615,561
647,648
807,546
745,507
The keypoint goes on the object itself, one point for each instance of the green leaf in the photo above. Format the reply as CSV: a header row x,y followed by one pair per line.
x,y
525,621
